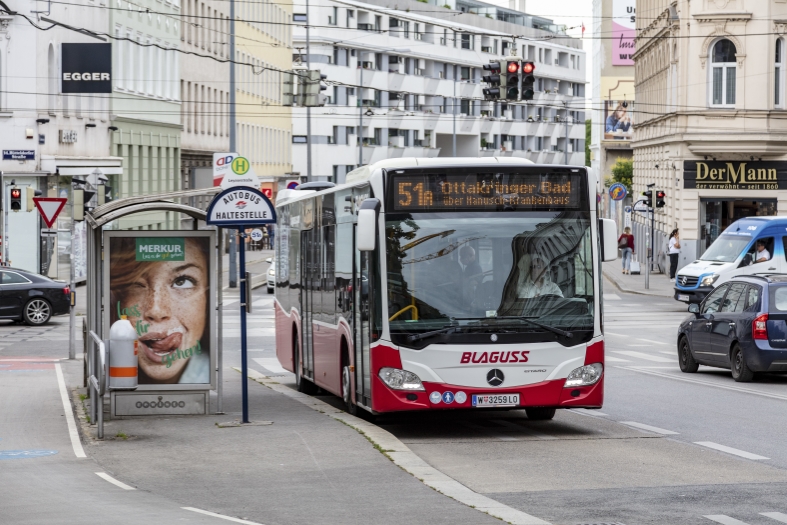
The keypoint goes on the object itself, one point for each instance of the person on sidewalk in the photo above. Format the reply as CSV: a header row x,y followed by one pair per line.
x,y
674,252
626,245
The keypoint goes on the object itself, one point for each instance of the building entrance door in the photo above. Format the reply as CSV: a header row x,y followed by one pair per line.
x,y
717,214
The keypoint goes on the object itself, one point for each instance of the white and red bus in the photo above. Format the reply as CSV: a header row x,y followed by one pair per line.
x,y
424,284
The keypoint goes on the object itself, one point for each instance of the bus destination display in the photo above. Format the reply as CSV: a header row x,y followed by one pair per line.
x,y
505,191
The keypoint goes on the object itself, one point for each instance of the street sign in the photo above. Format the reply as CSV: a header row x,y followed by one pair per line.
x,y
617,192
49,208
230,170
256,235
240,206
19,154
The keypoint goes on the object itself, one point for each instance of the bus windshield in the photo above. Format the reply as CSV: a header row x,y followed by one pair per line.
x,y
484,270
727,248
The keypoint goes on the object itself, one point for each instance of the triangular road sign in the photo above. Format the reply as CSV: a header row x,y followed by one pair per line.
x,y
49,208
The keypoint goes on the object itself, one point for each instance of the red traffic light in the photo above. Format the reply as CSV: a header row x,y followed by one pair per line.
x,y
513,67
660,194
16,193
528,67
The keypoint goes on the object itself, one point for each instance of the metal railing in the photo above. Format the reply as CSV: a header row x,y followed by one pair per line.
x,y
97,379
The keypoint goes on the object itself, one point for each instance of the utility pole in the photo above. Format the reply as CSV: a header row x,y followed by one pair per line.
x,y
565,146
233,139
308,108
359,98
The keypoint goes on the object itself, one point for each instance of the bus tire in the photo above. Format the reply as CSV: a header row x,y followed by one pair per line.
x,y
347,394
540,414
303,385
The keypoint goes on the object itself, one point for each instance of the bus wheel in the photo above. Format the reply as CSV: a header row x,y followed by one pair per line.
x,y
347,383
304,385
540,414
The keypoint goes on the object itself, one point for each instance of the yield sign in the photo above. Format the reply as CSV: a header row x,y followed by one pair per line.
x,y
49,208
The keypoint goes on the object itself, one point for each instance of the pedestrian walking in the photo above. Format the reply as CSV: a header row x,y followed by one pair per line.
x,y
626,245
674,252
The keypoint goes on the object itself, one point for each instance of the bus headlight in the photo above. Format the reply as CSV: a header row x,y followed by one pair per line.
x,y
709,280
584,375
400,379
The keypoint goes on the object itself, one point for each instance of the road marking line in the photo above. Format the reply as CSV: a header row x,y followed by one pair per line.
x,y
587,412
610,333
611,359
72,426
647,370
639,346
104,475
729,450
270,363
778,516
222,516
647,357
651,341
611,297
401,455
666,352
649,428
725,520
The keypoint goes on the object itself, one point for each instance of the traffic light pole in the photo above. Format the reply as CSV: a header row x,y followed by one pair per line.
x,y
649,239
308,108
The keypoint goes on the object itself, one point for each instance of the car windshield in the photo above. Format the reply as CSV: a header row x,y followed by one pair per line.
x,y
726,248
477,271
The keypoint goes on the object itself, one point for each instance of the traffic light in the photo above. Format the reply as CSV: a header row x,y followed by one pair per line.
x,y
493,79
104,194
288,91
528,80
648,198
81,202
30,194
16,199
313,85
660,198
512,80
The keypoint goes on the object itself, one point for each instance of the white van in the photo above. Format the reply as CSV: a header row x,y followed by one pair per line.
x,y
735,252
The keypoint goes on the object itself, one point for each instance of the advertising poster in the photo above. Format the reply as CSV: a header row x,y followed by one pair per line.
x,y
618,120
161,282
624,32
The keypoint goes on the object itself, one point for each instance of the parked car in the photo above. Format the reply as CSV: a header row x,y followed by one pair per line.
x,y
32,298
741,326
271,275
734,253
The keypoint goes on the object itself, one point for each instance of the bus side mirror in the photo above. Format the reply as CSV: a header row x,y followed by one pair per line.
x,y
609,239
367,225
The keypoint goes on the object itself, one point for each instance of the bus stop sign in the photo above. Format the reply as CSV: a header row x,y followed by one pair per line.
x,y
240,206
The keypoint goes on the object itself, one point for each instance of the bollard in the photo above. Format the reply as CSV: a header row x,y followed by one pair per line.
x,y
123,371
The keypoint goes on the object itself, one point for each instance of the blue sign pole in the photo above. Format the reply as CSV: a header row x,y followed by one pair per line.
x,y
244,361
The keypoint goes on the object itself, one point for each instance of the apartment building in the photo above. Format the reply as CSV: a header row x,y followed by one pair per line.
x,y
407,82
710,91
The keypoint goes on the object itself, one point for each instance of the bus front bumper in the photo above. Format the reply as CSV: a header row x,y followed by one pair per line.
x,y
550,394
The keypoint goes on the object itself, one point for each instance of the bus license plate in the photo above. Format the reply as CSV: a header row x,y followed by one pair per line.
x,y
682,297
495,400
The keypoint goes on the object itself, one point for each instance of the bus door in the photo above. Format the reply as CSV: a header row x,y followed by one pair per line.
x,y
362,325
310,266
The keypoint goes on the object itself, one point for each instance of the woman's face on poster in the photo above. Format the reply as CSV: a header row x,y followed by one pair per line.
x,y
167,306
621,113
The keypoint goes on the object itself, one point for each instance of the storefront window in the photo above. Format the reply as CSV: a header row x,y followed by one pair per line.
x,y
717,214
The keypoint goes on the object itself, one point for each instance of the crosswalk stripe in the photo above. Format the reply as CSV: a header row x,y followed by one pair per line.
x,y
612,297
725,520
778,516
729,450
642,355
649,428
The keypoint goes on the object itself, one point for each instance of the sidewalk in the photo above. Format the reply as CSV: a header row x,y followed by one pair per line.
x,y
659,282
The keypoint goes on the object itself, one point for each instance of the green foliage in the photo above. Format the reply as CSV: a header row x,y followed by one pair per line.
x,y
424,1
588,135
447,6
623,171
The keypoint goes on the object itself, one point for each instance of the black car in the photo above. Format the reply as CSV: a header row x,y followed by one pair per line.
x,y
32,298
741,325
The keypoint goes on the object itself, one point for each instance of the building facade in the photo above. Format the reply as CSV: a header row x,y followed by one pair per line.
x,y
613,113
145,104
406,81
711,132
204,89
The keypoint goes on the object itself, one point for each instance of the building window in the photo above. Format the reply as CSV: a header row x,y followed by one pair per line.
x,y
350,16
466,41
333,17
299,139
778,71
722,69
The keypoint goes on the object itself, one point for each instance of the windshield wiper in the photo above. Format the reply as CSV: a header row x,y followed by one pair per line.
x,y
530,320
412,338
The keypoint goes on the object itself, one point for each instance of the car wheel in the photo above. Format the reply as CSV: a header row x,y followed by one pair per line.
x,y
685,359
270,290
740,371
37,312
540,414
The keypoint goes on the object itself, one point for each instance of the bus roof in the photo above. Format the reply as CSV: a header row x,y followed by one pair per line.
x,y
364,172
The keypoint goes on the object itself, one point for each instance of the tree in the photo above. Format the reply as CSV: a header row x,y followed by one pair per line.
x,y
588,138
623,171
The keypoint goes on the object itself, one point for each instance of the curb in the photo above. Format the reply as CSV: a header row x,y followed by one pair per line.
x,y
626,290
399,453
